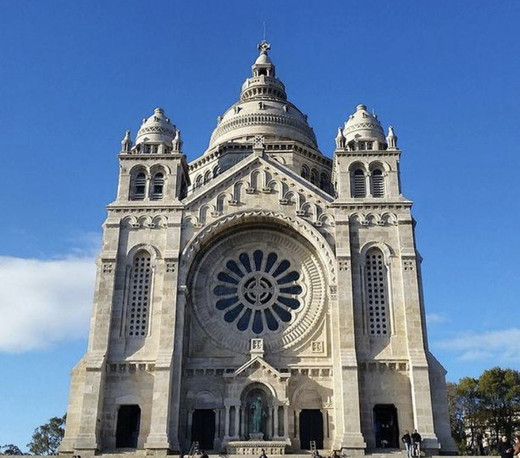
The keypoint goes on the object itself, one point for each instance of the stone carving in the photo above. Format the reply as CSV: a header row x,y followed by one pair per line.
x,y
108,267
409,265
317,346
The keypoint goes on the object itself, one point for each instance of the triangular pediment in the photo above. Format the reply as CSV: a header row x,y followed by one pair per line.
x,y
255,364
255,183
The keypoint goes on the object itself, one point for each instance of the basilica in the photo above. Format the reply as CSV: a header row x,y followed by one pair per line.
x,y
262,296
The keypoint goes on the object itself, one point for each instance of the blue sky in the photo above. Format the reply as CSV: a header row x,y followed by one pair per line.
x,y
75,75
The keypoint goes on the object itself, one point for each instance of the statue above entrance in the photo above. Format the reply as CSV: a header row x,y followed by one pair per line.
x,y
256,416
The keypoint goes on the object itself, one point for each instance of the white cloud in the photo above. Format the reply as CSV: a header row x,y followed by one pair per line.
x,y
436,318
498,347
44,301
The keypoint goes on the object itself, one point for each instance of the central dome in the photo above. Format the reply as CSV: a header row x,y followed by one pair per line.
x,y
263,109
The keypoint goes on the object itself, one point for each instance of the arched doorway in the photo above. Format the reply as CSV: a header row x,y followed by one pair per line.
x,y
385,426
127,430
203,428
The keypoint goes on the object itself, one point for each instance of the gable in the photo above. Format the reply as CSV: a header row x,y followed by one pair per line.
x,y
258,183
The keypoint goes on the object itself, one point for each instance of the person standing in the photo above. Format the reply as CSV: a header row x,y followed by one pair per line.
x,y
407,441
416,443
505,449
516,446
485,445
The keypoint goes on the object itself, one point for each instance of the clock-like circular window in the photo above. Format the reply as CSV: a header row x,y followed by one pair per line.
x,y
258,283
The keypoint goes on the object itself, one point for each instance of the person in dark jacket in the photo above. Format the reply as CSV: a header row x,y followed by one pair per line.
x,y
407,441
505,449
416,443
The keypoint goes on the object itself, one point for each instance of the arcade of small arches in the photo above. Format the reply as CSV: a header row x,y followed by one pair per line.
x,y
322,180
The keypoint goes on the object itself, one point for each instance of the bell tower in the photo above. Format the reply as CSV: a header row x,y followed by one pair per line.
x,y
135,293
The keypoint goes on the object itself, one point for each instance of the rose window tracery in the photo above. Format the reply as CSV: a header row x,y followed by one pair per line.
x,y
258,291
257,283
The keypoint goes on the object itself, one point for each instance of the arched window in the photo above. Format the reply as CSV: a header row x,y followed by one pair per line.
x,y
139,186
324,182
198,181
358,183
376,293
139,295
207,176
377,183
314,177
305,172
157,186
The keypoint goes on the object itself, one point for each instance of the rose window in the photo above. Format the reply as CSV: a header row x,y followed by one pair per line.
x,y
257,291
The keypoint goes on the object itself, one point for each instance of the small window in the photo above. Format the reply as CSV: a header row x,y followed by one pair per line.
x,y
378,183
207,177
359,184
324,182
158,186
198,181
305,172
139,186
314,177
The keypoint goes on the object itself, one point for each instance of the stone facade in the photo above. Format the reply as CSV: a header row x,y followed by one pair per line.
x,y
261,296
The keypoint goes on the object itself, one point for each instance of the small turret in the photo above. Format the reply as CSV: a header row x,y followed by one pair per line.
x,y
126,143
340,139
263,65
177,142
391,138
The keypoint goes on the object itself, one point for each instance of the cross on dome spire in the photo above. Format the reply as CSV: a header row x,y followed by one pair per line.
x,y
263,47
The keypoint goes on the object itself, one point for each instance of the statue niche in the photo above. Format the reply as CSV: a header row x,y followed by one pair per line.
x,y
257,414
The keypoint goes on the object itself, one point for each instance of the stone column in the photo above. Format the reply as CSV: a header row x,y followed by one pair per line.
x,y
237,421
226,423
286,422
275,418
325,424
243,422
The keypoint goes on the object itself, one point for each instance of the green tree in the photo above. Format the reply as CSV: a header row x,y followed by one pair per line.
x,y
46,438
500,393
10,449
489,404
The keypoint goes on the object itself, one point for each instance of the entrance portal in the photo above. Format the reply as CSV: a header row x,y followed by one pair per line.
x,y
127,430
386,427
203,428
311,428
